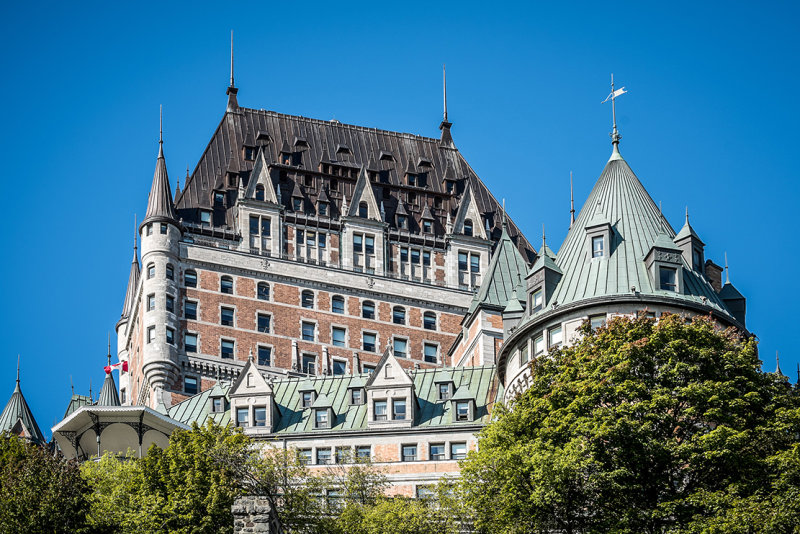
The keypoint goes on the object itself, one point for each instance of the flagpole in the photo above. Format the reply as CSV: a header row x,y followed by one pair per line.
x,y
613,104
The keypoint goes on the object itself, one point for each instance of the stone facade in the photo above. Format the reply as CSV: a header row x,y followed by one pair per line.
x,y
251,515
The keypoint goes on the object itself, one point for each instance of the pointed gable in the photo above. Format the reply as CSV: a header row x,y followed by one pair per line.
x,y
261,177
250,382
18,419
389,373
363,193
159,203
468,211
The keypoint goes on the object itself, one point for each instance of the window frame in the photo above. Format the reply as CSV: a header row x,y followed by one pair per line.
x,y
335,300
186,380
307,299
223,287
267,348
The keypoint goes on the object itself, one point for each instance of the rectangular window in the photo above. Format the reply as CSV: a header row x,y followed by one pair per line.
x,y
149,229
369,369
190,279
399,315
262,291
265,227
524,356
426,258
538,344
399,409
430,352
311,238
170,272
409,453
429,321
308,399
369,244
444,391
458,451
304,456
368,310
190,310
205,217
537,300
369,342
219,198
475,263
264,356
555,336
415,256
190,342
321,240
163,228
123,397
427,227
462,261
668,277
151,333
358,243
364,452
260,416
226,349
170,304
217,405
425,492
151,271
400,347
307,299
190,385
356,397
308,331
403,254
226,316
170,336
338,335
597,321
598,246
151,302
342,455
321,421
226,285
254,225
242,416
263,321
437,451
462,411
380,410
309,364
339,367
337,304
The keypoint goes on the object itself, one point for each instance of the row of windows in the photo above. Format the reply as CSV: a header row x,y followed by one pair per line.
x,y
339,455
151,271
555,338
436,451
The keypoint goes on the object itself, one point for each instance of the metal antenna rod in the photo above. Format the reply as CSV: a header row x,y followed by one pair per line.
x,y
444,89
160,124
231,58
571,202
613,104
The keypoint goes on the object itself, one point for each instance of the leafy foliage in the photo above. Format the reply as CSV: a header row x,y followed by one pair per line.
x,y
641,426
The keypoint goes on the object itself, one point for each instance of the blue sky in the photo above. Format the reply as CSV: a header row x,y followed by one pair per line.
x,y
710,121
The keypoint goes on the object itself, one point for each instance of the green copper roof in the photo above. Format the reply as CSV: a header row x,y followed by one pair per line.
x,y
619,198
16,414
197,409
504,278
687,231
76,402
293,418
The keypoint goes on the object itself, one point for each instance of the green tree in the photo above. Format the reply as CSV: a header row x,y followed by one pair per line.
x,y
641,426
39,491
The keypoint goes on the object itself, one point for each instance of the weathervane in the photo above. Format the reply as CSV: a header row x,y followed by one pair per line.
x,y
615,136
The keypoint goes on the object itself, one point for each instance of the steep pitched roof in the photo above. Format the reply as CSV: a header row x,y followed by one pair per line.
x,y
108,394
159,203
197,408
17,417
133,283
504,278
76,402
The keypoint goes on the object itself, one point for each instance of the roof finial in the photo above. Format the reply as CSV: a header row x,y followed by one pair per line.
x,y
71,385
17,369
160,124
90,390
109,348
615,136
232,84
777,364
571,202
135,235
444,89
727,273
687,214
544,239
504,222
661,216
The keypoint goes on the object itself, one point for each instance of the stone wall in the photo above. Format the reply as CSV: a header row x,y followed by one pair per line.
x,y
251,515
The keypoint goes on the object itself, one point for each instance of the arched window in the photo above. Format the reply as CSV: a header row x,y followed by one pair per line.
x,y
151,270
262,291
170,272
307,299
226,285
337,304
368,309
399,315
259,192
190,278
363,210
429,321
468,227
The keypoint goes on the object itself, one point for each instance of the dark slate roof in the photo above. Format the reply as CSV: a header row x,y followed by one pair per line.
x,y
159,203
504,278
391,152
133,283
108,394
17,417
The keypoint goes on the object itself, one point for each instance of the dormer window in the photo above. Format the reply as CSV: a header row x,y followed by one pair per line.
x,y
307,399
411,179
249,153
321,418
402,222
450,186
205,217
217,404
444,391
537,300
322,209
379,407
468,231
399,409
356,396
259,192
462,411
668,278
363,210
427,227
598,246
697,259
297,204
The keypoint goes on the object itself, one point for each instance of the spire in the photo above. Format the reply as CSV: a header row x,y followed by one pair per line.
x,y
727,274
159,204
444,90
504,222
233,103
108,393
571,202
544,238
109,349
615,135
232,84
778,365
133,278
447,138
17,388
17,417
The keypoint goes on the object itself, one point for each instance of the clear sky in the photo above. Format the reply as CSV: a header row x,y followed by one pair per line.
x,y
710,121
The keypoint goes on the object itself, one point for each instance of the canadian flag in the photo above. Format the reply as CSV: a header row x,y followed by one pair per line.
x,y
123,364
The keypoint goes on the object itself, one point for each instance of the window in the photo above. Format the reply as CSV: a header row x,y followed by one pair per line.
x,y
415,256
401,347
444,391
226,285
697,259
338,336
409,453
468,227
437,451
426,258
402,222
190,278
217,404
151,270
369,369
597,321
364,452
308,331
242,415
462,261
254,224
524,355
226,349
668,277
151,333
321,421
537,300
249,153
368,341
307,299
458,451
538,344
304,456
308,399
151,302
170,336
190,310
163,228
462,411
368,309
403,254
149,229
323,455
337,304
475,263
259,192
369,244
219,198
170,272
322,209
358,243
297,204
190,385
205,217
598,245
429,321
363,211
425,492
190,342
309,364
555,336
429,353
380,410
399,315
170,304
262,291
263,323
260,416
342,455
264,355
399,409
427,227
226,316
123,397
339,367
356,397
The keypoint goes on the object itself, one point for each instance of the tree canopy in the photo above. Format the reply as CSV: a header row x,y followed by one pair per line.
x,y
642,426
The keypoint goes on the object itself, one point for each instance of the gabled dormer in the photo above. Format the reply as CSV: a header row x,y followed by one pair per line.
x,y
307,394
468,221
449,179
663,263
363,203
426,220
356,394
445,385
322,412
260,186
298,199
252,401
391,397
401,216
323,204
692,248
598,235
462,406
542,279
732,298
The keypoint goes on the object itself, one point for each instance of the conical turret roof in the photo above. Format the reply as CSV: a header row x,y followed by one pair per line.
x,y
133,283
108,395
159,204
17,417
505,277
